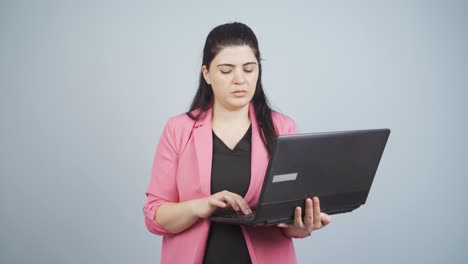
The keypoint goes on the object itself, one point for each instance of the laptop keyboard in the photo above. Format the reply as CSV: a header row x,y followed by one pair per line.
x,y
239,215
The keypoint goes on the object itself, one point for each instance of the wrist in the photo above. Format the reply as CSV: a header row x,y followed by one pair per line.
x,y
192,206
197,207
295,233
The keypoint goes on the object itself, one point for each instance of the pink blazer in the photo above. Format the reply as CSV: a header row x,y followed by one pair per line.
x,y
182,171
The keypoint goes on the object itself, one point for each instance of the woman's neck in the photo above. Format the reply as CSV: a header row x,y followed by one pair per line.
x,y
230,117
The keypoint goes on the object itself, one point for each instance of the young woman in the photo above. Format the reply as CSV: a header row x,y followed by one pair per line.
x,y
215,156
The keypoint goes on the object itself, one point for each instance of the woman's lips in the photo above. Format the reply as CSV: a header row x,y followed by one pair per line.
x,y
239,92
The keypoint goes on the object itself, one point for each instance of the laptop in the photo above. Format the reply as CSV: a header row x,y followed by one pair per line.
x,y
337,167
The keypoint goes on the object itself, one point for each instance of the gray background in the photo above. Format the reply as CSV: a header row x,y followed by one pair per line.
x,y
86,87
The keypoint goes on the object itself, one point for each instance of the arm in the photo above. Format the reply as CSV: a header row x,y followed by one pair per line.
x,y
164,214
162,187
176,217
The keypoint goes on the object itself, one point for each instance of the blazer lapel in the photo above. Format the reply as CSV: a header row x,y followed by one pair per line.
x,y
258,162
204,147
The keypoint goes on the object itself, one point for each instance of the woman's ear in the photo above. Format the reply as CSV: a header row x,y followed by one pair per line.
x,y
205,74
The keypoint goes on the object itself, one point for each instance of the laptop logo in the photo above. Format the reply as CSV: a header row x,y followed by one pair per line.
x,y
285,177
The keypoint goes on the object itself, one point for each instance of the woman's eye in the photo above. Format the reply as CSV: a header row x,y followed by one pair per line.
x,y
248,70
225,72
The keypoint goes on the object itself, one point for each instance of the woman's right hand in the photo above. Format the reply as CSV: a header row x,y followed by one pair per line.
x,y
205,207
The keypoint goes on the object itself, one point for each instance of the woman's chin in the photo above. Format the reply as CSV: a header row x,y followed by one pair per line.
x,y
239,104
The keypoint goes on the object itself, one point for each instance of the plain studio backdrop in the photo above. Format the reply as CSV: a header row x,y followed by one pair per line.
x,y
87,86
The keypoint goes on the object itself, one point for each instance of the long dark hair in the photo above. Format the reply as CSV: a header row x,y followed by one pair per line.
x,y
226,35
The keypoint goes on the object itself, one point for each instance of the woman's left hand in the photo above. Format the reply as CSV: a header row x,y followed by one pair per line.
x,y
313,219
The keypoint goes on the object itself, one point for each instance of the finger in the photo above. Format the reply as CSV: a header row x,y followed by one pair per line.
x,y
298,217
325,219
283,225
316,205
217,203
231,201
240,202
308,217
243,205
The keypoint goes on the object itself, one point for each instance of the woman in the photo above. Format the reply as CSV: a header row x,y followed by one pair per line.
x,y
215,156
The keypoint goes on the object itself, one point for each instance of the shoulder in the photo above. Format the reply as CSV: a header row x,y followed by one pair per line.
x,y
180,121
281,118
177,130
283,124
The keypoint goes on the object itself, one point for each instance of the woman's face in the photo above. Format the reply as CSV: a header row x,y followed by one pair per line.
x,y
233,76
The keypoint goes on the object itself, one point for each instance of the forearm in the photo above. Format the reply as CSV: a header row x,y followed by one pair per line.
x,y
176,217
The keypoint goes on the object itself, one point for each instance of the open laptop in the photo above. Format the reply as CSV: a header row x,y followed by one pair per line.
x,y
337,167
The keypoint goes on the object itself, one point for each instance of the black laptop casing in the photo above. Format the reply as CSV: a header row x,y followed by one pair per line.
x,y
337,167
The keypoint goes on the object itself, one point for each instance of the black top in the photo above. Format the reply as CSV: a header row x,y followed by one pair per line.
x,y
230,171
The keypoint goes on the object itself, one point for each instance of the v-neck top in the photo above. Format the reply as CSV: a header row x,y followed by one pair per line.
x,y
231,172
231,167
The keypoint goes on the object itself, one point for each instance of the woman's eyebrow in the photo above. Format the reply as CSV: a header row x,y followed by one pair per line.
x,y
232,65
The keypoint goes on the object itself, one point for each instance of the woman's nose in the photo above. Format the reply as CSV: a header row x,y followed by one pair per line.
x,y
239,77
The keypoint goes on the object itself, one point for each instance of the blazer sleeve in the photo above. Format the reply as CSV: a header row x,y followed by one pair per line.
x,y
162,187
